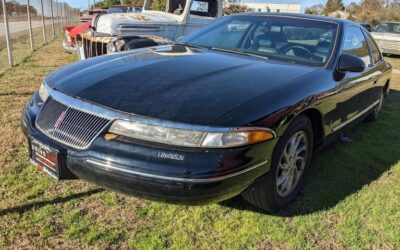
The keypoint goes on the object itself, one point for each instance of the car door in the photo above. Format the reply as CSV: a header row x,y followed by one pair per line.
x,y
355,91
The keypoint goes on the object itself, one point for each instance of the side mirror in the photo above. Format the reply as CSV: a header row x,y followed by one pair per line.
x,y
349,63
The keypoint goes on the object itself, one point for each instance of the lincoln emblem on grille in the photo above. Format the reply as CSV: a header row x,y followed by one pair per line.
x,y
60,119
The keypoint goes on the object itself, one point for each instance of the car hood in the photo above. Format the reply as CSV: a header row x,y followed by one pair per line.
x,y
129,23
175,83
79,28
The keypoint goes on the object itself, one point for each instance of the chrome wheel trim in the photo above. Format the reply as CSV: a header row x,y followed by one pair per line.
x,y
291,164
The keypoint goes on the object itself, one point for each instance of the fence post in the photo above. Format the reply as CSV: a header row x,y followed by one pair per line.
x,y
44,28
6,27
63,15
28,9
58,19
67,10
52,19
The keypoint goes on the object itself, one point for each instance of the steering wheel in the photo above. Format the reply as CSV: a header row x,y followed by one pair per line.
x,y
299,51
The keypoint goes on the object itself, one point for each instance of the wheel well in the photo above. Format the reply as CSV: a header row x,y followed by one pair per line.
x,y
386,87
316,119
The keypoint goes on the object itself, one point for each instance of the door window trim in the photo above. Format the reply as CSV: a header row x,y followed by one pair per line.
x,y
370,49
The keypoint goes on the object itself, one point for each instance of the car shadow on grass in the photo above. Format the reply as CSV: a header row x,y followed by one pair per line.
x,y
24,208
344,168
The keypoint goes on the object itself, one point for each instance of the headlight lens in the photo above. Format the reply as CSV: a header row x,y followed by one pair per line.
x,y
190,138
43,92
115,46
111,48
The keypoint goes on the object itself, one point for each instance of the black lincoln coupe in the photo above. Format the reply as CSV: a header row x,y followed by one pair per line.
x,y
238,107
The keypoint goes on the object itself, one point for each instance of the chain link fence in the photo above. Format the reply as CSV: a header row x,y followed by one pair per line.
x,y
27,24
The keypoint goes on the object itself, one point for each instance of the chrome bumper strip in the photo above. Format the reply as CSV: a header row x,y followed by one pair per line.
x,y
114,168
356,116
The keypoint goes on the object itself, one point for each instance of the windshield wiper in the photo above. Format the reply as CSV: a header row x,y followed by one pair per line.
x,y
239,52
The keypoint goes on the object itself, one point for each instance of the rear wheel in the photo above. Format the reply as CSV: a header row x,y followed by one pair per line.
x,y
290,160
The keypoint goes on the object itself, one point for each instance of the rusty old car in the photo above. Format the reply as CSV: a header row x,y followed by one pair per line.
x,y
124,31
387,35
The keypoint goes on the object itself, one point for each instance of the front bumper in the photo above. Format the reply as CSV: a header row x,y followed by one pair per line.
x,y
69,48
134,168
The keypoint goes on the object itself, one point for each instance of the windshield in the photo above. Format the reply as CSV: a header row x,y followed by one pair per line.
x,y
294,40
389,27
173,6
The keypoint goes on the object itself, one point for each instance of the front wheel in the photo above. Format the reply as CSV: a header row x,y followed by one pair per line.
x,y
290,160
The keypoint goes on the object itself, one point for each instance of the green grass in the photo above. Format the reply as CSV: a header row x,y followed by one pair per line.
x,y
351,198
20,44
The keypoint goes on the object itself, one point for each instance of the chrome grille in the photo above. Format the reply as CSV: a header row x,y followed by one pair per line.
x,y
92,48
69,126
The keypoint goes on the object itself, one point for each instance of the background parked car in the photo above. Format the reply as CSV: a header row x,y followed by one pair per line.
x,y
71,31
123,9
88,16
70,34
387,35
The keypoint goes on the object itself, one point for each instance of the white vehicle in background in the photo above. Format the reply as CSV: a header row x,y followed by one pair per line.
x,y
387,35
125,31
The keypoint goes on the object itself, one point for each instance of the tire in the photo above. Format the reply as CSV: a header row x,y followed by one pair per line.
x,y
266,194
374,116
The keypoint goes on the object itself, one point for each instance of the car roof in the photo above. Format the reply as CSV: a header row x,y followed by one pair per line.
x,y
303,16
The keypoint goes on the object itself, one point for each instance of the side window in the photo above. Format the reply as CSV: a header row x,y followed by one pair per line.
x,y
376,55
356,45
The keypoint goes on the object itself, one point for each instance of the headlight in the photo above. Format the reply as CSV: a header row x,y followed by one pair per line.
x,y
43,92
191,138
111,48
115,46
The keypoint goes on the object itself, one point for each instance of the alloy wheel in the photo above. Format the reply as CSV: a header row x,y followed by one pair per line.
x,y
292,163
